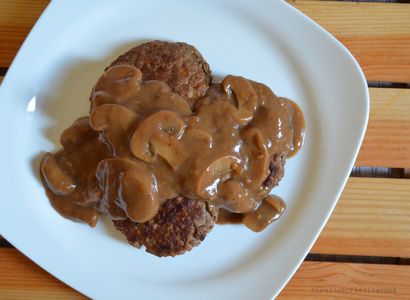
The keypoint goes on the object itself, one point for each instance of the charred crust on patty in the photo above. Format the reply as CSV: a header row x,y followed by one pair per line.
x,y
180,225
277,170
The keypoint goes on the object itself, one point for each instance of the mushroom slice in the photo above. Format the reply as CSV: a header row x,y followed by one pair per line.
x,y
156,95
217,171
57,181
247,99
198,136
119,84
236,198
259,158
169,101
139,193
159,134
268,211
116,122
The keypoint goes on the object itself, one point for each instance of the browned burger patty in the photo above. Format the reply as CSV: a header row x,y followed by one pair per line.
x,y
180,65
180,225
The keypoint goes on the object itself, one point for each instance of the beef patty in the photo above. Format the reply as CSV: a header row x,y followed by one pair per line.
x,y
179,65
181,223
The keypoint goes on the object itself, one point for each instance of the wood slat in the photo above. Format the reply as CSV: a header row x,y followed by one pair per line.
x,y
371,218
377,34
20,278
322,280
17,17
387,140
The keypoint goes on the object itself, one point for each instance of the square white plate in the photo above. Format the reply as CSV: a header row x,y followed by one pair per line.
x,y
47,88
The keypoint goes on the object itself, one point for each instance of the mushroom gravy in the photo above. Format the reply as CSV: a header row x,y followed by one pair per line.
x,y
142,145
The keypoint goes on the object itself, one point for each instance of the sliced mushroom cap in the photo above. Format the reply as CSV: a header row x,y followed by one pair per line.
x,y
247,99
117,85
194,136
259,158
156,95
57,181
236,197
139,192
217,171
170,101
116,122
270,210
159,134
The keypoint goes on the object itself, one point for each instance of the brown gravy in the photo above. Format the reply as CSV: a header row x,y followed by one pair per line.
x,y
227,217
142,145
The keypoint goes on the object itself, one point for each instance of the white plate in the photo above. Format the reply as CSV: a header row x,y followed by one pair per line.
x,y
48,85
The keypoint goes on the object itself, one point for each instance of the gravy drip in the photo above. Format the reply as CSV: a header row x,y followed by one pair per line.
x,y
142,145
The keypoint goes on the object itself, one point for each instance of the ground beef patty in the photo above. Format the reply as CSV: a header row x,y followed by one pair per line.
x,y
180,225
180,65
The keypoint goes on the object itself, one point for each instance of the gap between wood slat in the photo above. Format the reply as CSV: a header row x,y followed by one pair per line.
x,y
387,84
3,71
377,172
373,1
385,260
4,243
323,280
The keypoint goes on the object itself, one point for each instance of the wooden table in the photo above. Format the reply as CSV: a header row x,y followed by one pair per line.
x,y
364,250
